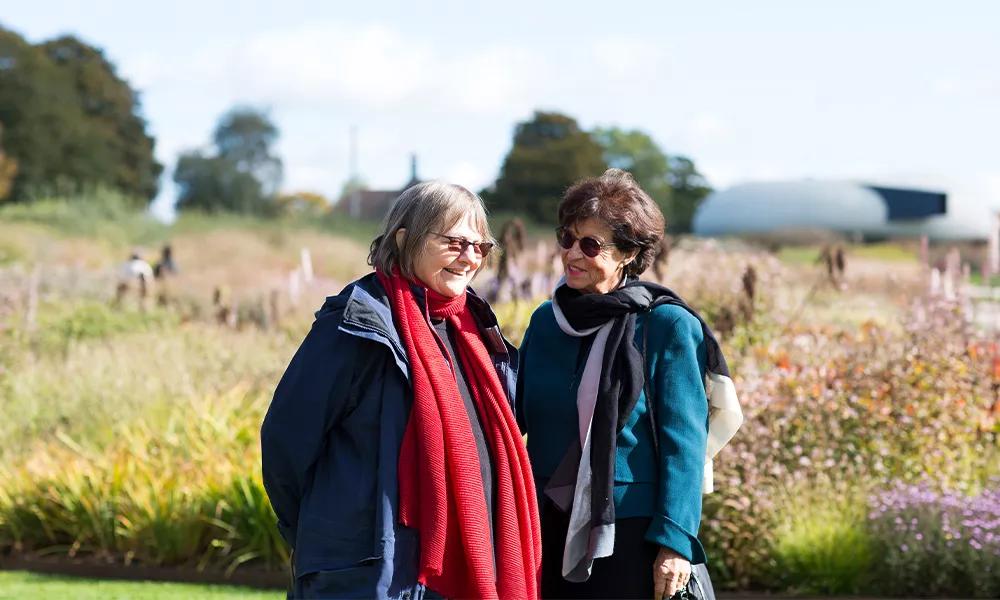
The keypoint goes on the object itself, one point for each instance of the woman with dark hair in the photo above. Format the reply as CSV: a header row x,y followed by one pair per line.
x,y
612,394
390,451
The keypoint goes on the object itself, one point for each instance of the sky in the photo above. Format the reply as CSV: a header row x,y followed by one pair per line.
x,y
890,92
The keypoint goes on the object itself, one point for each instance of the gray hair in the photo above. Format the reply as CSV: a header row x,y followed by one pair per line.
x,y
423,208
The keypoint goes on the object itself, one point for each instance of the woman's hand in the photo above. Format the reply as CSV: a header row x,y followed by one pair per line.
x,y
671,572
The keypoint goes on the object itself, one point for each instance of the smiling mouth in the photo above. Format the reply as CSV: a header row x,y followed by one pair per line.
x,y
456,273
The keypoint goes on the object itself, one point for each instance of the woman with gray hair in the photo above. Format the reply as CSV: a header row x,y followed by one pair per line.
x,y
390,450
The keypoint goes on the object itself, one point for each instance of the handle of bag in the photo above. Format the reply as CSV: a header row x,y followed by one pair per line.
x,y
650,401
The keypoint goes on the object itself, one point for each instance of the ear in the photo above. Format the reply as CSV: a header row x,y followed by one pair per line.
x,y
631,256
400,237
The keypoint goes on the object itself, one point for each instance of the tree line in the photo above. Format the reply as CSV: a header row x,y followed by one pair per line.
x,y
68,121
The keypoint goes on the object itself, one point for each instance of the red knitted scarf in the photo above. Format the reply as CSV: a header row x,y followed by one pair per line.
x,y
440,483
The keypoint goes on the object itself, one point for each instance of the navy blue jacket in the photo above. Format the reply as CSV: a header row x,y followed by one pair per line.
x,y
330,445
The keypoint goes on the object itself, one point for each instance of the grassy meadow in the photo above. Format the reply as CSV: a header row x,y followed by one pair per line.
x,y
29,586
131,436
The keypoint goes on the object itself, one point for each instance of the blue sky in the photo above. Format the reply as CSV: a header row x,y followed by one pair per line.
x,y
897,92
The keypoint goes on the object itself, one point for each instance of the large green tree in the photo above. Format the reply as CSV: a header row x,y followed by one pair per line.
x,y
548,154
634,151
672,181
242,174
70,121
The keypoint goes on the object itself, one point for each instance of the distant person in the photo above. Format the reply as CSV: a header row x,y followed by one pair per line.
x,y
391,453
166,265
612,395
510,277
135,274
163,270
661,258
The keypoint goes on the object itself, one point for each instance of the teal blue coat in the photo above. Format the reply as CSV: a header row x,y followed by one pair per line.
x,y
666,486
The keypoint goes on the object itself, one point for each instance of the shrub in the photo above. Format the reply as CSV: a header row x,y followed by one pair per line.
x,y
862,408
821,544
937,543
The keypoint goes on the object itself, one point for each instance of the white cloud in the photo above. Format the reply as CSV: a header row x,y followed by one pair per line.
x,y
470,175
496,80
706,125
630,58
372,67
328,62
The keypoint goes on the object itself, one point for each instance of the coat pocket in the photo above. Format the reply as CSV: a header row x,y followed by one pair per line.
x,y
359,581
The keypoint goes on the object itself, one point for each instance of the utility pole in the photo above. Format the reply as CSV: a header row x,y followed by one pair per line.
x,y
356,192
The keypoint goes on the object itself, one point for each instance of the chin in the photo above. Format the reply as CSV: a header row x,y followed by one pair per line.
x,y
577,283
453,289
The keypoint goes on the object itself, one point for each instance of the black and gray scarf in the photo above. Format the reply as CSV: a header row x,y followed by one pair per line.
x,y
609,388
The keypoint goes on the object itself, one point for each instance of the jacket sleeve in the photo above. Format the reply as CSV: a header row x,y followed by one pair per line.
x,y
682,424
309,400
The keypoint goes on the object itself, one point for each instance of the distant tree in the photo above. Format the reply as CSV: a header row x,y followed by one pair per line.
x,y
8,169
111,105
548,154
634,151
673,181
212,184
246,137
302,203
241,175
71,121
353,184
688,188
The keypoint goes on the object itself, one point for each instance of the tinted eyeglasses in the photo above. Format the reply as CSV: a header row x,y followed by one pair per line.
x,y
459,244
590,247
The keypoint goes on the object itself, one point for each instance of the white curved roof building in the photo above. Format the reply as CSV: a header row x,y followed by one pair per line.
x,y
844,207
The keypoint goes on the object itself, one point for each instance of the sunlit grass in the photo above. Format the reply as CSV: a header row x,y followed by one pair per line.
x,y
822,544
89,389
26,586
884,251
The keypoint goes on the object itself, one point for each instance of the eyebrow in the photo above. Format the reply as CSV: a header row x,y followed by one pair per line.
x,y
459,236
599,238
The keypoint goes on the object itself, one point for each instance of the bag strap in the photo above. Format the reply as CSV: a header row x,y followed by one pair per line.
x,y
650,400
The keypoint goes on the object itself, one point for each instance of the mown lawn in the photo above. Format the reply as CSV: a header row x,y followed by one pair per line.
x,y
24,585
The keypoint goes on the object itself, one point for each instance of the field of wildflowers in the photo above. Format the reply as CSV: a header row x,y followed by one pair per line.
x,y
836,415
937,543
869,460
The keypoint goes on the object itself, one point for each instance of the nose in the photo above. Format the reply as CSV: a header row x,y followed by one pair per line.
x,y
573,252
469,256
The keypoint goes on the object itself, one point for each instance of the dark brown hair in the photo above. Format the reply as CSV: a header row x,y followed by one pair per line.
x,y
617,200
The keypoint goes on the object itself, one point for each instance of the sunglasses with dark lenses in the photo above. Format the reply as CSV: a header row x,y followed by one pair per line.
x,y
459,244
590,247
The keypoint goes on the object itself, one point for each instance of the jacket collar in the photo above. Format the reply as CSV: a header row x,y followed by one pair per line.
x,y
367,309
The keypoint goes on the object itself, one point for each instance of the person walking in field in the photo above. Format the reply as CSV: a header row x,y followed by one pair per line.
x,y
134,274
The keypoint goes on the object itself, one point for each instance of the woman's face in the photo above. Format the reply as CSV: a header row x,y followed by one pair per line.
x,y
599,274
444,268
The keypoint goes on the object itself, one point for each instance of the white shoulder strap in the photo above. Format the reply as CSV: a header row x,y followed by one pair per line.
x,y
724,418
